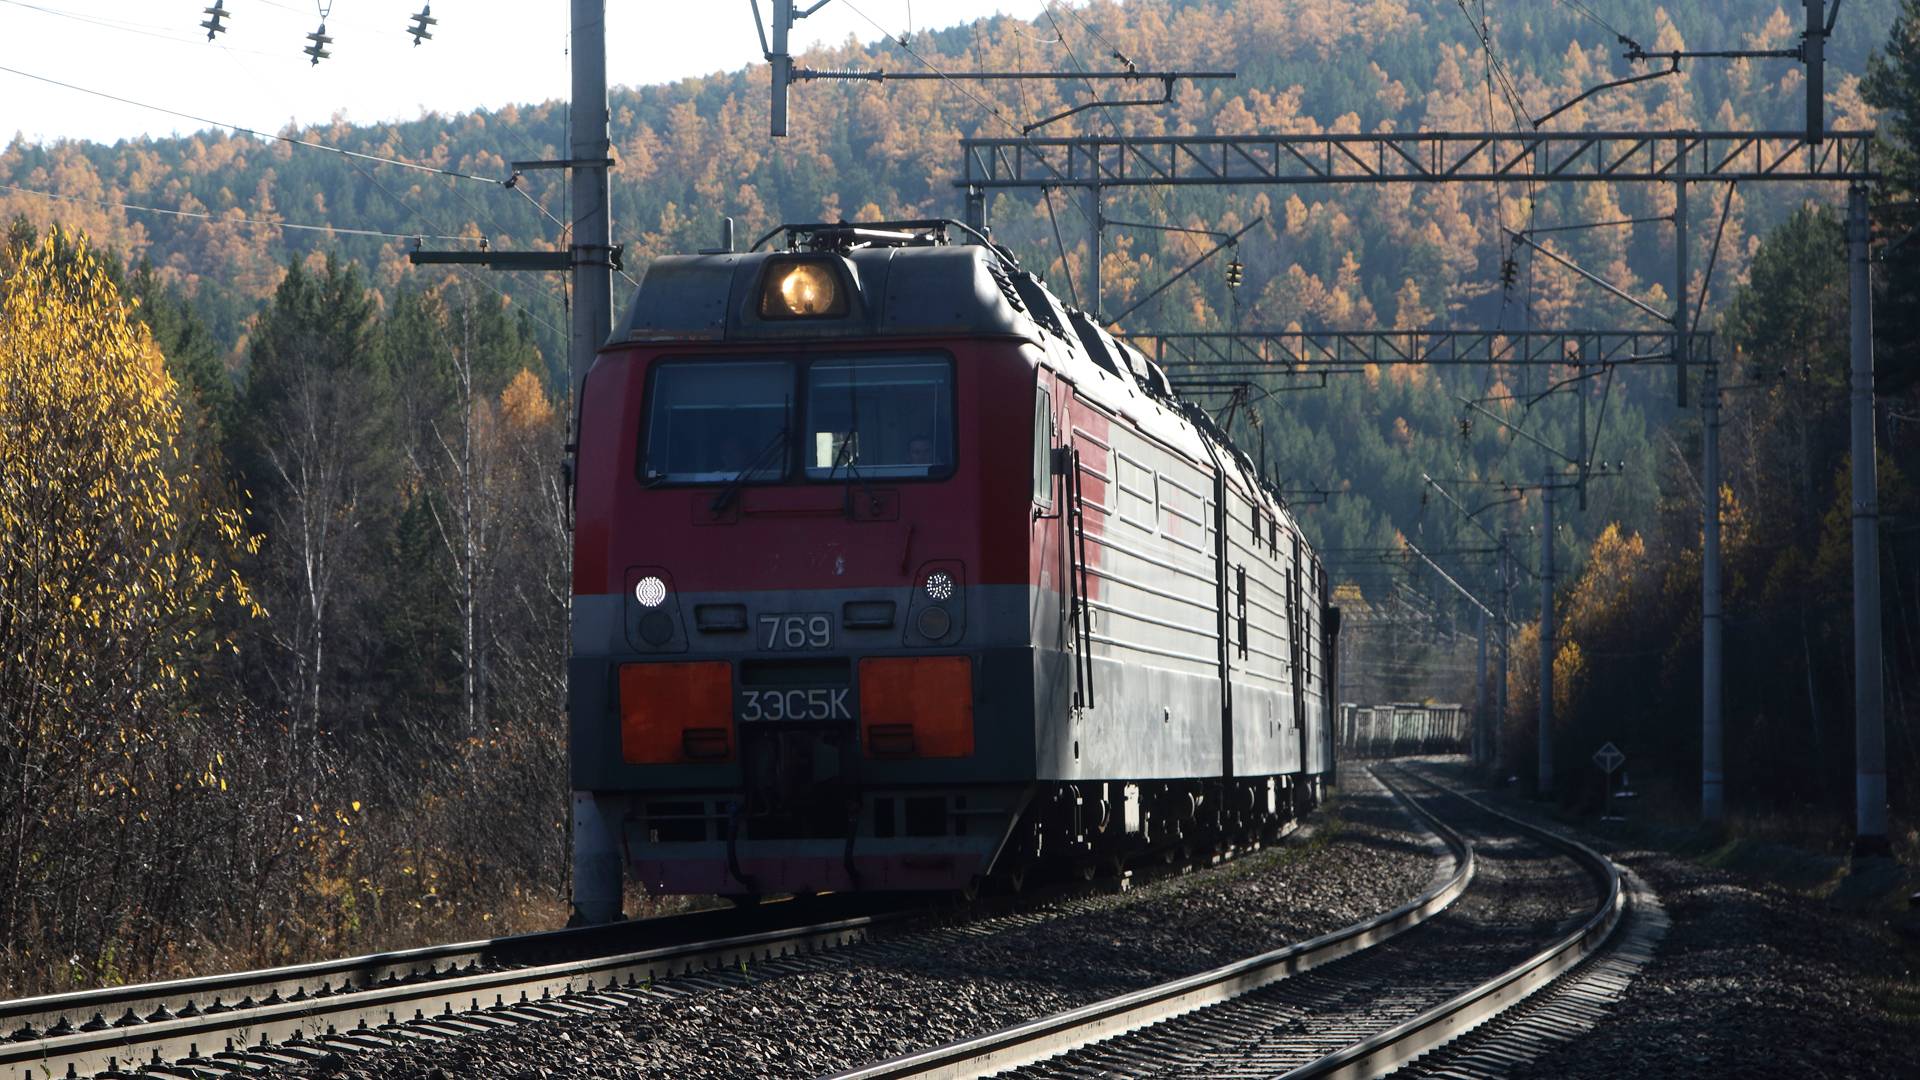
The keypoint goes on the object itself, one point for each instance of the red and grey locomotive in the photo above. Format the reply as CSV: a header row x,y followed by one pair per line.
x,y
892,572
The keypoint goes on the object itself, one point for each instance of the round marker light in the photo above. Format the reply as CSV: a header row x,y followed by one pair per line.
x,y
651,591
940,585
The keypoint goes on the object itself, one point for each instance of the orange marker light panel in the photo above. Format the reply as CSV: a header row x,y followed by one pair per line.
x,y
918,706
672,713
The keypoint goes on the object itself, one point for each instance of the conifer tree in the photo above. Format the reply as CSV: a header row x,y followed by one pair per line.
x,y
317,463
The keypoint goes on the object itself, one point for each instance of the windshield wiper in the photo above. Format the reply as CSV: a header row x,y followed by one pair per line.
x,y
846,456
724,496
849,450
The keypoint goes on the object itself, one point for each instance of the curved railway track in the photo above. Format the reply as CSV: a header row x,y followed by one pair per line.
x,y
1383,997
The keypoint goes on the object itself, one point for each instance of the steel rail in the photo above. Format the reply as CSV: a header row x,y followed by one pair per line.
x,y
313,1022
1463,1012
1037,1040
244,1021
22,1019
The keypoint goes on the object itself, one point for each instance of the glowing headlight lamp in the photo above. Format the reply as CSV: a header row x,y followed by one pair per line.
x,y
801,289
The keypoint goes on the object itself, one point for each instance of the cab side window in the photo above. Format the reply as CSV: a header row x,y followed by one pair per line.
x,y
1043,448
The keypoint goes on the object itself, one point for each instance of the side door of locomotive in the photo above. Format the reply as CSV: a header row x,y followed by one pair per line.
x,y
1050,604
1082,460
1051,589
1072,471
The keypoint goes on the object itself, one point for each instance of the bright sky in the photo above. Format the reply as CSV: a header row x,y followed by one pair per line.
x,y
484,53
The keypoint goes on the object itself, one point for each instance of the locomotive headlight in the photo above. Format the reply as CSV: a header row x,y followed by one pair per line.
x,y
650,591
801,290
940,585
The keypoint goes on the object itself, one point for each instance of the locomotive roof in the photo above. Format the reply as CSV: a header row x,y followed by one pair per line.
x,y
929,289
898,292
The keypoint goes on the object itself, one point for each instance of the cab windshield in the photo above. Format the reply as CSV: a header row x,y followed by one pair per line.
x,y
879,418
721,421
718,420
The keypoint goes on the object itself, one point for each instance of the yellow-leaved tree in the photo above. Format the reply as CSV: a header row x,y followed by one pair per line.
x,y
116,556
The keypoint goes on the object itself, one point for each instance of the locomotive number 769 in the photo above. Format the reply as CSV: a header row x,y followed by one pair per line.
x,y
783,632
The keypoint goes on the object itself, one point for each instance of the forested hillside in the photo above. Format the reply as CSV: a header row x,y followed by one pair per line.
x,y
1397,257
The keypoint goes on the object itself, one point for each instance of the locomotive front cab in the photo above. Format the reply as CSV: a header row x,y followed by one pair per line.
x,y
797,469
800,622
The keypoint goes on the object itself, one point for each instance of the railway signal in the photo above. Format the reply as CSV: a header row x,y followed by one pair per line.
x,y
1609,759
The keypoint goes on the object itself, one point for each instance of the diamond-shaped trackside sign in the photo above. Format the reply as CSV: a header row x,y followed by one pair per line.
x,y
1609,758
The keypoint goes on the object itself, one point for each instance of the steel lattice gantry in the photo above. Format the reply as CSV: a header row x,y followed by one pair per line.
x,y
1413,157
1267,351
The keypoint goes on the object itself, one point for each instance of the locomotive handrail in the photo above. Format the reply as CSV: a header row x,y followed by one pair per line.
x,y
1082,601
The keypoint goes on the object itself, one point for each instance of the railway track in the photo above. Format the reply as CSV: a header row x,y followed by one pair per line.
x,y
1357,1002
250,1021
255,1021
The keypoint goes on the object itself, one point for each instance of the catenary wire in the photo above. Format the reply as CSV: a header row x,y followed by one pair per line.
x,y
1092,90
1485,36
1090,28
251,131
149,30
1047,194
295,226
211,216
416,215
1593,16
467,272
1156,199
930,66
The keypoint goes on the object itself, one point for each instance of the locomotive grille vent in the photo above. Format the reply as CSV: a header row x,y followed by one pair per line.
x,y
1007,290
1040,305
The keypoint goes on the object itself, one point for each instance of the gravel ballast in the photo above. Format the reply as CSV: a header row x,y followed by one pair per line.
x,y
815,1014
1751,979
1523,895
